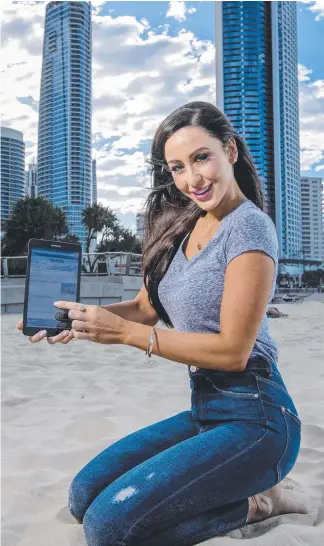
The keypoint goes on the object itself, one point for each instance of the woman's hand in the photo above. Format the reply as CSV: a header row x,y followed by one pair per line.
x,y
63,337
94,323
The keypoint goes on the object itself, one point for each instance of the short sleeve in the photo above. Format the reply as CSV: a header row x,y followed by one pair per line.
x,y
252,230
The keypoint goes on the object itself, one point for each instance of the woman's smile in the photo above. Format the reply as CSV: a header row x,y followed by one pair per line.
x,y
203,194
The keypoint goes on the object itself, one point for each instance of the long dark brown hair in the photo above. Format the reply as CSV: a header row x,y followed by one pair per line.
x,y
168,214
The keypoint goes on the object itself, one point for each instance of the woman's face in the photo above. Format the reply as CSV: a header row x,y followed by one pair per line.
x,y
198,161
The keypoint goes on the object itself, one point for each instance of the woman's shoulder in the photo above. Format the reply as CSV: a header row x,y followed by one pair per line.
x,y
251,216
251,229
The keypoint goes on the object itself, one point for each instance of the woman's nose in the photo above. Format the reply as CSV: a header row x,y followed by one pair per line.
x,y
193,178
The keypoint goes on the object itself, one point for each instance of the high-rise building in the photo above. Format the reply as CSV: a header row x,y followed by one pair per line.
x,y
257,88
140,225
94,183
12,170
312,217
322,224
64,137
31,180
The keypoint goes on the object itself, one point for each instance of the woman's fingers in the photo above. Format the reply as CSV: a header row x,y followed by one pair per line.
x,y
63,337
68,338
59,338
80,326
62,315
38,337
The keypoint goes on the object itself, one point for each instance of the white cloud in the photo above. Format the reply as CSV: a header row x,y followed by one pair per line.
x,y
309,158
97,5
311,121
178,10
317,7
20,65
148,76
303,73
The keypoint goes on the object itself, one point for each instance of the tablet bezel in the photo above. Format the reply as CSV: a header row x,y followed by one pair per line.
x,y
51,245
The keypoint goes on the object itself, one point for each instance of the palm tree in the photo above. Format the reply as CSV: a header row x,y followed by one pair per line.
x,y
98,219
33,217
103,220
123,240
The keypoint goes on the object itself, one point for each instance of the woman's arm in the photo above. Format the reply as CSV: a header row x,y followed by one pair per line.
x,y
247,287
137,310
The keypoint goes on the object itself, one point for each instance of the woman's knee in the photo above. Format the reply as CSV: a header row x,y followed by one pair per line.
x,y
102,530
79,497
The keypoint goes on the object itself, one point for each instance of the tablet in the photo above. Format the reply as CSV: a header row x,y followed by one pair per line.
x,y
53,274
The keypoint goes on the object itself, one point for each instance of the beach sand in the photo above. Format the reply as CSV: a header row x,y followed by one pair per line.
x,y
64,404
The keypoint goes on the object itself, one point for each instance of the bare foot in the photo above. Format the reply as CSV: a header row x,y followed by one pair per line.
x,y
273,502
285,485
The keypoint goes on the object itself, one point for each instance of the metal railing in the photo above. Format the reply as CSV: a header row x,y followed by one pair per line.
x,y
297,289
106,263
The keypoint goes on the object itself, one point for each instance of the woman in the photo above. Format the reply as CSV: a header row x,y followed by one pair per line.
x,y
210,262
273,312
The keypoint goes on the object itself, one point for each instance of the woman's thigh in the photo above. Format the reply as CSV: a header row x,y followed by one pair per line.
x,y
124,455
225,464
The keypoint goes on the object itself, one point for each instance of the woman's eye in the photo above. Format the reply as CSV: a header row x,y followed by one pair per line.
x,y
176,168
202,157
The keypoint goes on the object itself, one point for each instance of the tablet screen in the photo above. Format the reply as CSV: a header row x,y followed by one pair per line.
x,y
53,277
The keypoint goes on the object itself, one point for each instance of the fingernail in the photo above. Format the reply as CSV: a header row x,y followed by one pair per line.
x,y
43,332
55,303
66,333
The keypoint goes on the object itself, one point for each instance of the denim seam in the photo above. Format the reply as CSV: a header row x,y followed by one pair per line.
x,y
293,416
193,481
224,529
274,384
200,405
286,446
274,372
247,395
260,398
238,523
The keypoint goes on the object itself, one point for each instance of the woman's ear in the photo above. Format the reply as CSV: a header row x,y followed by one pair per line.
x,y
231,150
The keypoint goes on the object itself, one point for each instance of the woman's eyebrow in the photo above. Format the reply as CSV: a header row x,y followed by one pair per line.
x,y
190,156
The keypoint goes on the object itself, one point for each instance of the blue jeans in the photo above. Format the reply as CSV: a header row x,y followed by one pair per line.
x,y
188,478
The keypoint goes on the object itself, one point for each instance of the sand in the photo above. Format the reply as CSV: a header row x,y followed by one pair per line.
x,y
64,404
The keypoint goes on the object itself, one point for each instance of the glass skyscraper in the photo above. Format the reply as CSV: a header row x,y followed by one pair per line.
x,y
94,183
257,88
31,180
64,164
12,171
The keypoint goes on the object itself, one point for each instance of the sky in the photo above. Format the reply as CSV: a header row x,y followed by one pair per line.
x,y
148,58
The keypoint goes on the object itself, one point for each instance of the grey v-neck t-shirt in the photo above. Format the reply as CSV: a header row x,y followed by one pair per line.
x,y
191,290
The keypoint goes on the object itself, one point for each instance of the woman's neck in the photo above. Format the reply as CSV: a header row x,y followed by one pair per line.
x,y
224,208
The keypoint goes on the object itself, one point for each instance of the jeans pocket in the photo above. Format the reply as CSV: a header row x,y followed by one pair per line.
x,y
292,429
236,386
225,398
279,384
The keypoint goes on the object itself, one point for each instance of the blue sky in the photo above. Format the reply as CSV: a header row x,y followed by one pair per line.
x,y
148,59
